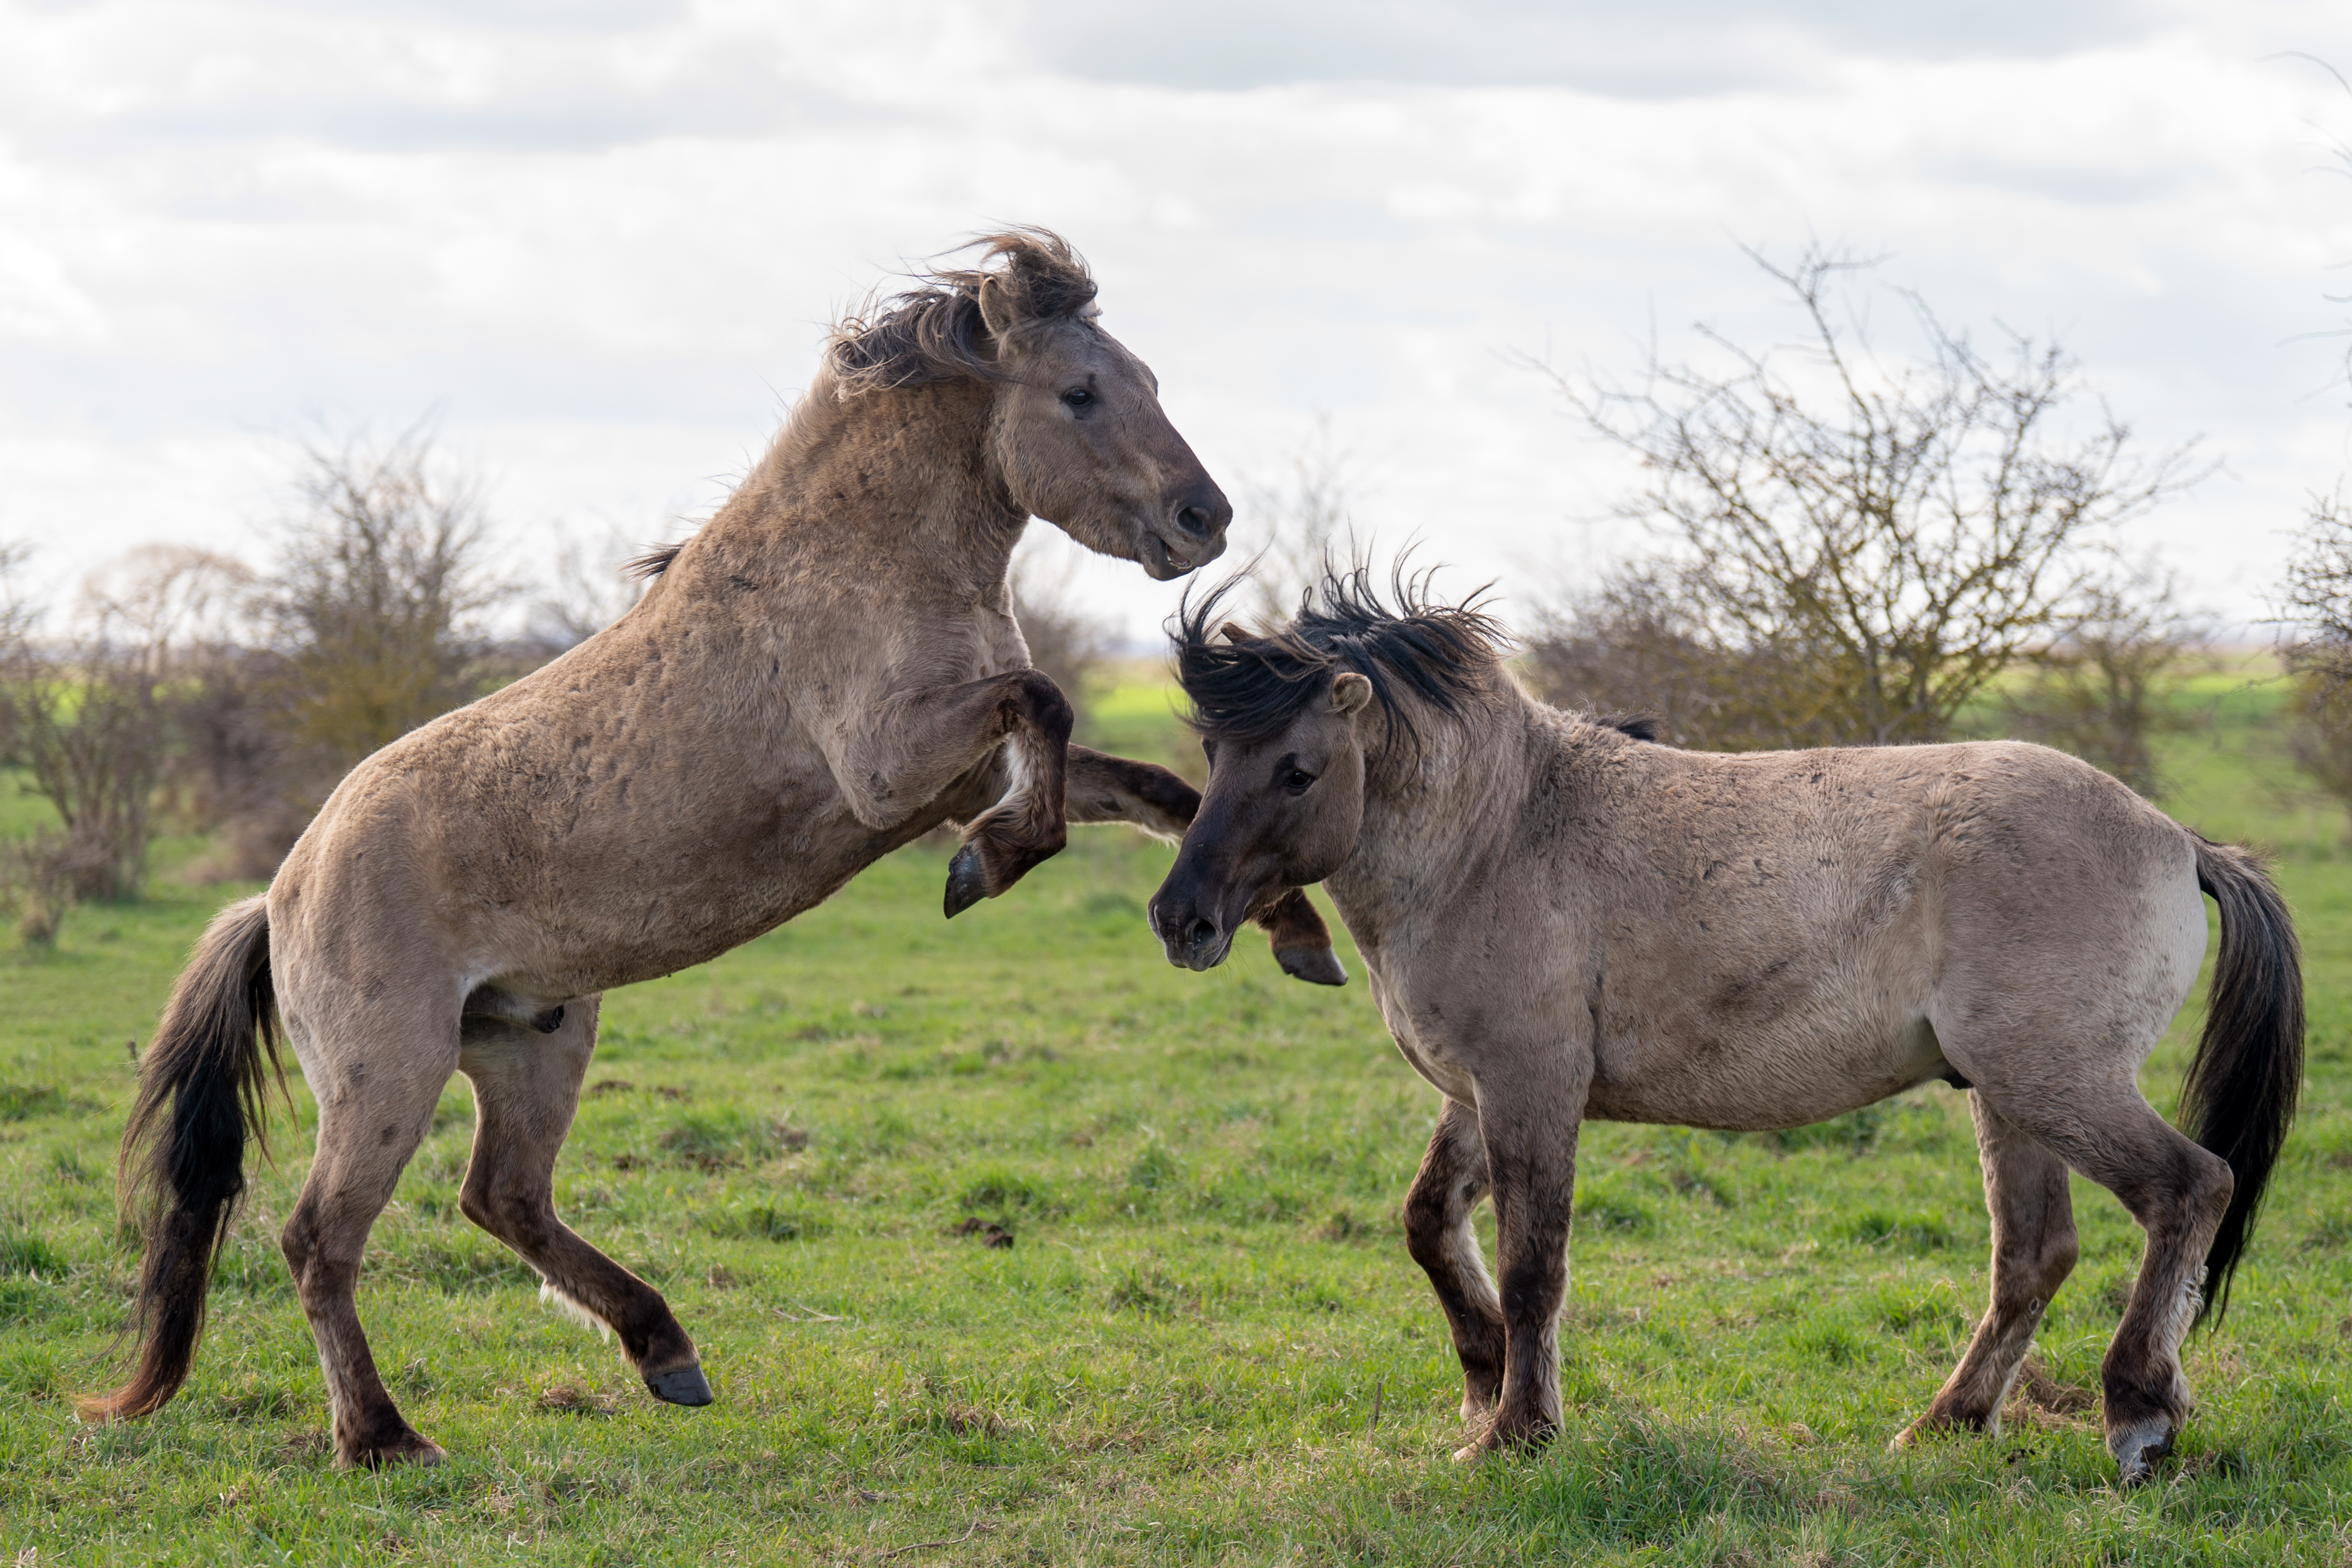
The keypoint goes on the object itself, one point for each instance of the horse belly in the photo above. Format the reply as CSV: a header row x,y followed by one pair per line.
x,y
1765,1080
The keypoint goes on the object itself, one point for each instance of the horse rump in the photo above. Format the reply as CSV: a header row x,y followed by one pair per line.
x,y
202,1088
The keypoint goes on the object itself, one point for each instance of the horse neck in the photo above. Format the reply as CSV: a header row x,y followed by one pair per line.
x,y
1437,820
903,474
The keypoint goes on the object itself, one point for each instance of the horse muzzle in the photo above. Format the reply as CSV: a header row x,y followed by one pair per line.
x,y
1192,940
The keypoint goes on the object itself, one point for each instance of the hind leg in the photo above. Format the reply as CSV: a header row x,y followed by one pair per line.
x,y
374,1108
2033,1250
2177,1192
526,1091
1451,1179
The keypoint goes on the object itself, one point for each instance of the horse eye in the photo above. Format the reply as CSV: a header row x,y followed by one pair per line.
x,y
1297,780
1078,397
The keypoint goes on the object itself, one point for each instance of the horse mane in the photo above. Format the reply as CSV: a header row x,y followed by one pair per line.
x,y
931,333
1246,687
934,331
653,563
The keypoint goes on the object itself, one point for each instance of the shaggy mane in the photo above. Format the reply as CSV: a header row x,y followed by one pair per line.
x,y
934,331
1247,688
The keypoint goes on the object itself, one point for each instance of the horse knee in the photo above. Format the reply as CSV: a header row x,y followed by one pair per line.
x,y
1428,1227
501,1209
299,1242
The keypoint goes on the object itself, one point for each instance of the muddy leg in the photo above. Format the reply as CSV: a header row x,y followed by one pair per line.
x,y
526,1091
371,1114
1530,1139
2033,1250
1445,1192
2178,1193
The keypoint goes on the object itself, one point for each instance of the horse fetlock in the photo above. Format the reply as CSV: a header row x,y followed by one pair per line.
x,y
1519,1430
392,1442
996,854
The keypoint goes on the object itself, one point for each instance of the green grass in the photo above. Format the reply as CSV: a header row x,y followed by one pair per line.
x,y
1205,1344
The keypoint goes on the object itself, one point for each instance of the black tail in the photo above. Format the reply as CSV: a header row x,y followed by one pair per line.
x,y
201,1092
2238,1098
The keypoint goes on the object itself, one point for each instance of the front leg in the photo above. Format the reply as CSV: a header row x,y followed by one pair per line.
x,y
1104,788
896,756
1445,1192
1530,1106
1030,825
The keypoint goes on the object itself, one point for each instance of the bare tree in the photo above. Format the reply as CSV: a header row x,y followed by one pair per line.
x,y
84,715
1886,536
1295,525
2319,605
593,588
2099,690
1634,644
376,601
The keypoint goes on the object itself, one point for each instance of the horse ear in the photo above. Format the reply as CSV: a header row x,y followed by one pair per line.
x,y
999,311
1233,631
1350,691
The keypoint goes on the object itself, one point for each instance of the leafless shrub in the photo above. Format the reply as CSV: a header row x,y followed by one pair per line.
x,y
1634,644
37,873
376,599
83,714
2318,603
1881,539
2099,690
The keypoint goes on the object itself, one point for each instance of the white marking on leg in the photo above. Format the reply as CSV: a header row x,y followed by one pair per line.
x,y
579,1311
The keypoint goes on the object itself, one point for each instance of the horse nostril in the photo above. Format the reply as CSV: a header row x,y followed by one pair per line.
x,y
1194,520
1200,932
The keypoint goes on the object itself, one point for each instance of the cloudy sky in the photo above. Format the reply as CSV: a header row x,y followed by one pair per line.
x,y
604,237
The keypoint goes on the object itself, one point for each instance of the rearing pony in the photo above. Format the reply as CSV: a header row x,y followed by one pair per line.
x,y
1565,921
827,670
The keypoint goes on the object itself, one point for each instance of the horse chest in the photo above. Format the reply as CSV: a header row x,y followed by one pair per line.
x,y
1425,1048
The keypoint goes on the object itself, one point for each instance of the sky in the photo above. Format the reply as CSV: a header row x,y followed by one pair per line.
x,y
599,241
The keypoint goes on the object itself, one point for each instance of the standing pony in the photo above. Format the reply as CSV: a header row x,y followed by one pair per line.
x,y
1563,919
827,670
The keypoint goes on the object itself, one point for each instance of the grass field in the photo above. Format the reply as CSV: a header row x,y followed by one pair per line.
x,y
1205,1343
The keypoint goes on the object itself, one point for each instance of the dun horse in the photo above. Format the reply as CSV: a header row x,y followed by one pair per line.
x,y
1563,919
825,671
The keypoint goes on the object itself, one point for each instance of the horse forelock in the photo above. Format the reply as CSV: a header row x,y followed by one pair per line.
x,y
1419,654
933,331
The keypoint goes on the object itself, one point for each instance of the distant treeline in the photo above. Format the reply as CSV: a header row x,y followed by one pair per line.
x,y
1843,547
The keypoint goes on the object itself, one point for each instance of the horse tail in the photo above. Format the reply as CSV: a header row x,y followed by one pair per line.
x,y
202,1088
2239,1098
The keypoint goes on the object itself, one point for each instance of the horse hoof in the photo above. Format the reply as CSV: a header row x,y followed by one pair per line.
x,y
967,881
2138,1448
687,1385
411,1447
1316,965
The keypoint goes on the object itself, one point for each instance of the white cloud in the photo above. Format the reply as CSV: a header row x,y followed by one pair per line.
x,y
606,239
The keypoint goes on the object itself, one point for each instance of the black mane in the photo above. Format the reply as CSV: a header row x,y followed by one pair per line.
x,y
653,563
1247,688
